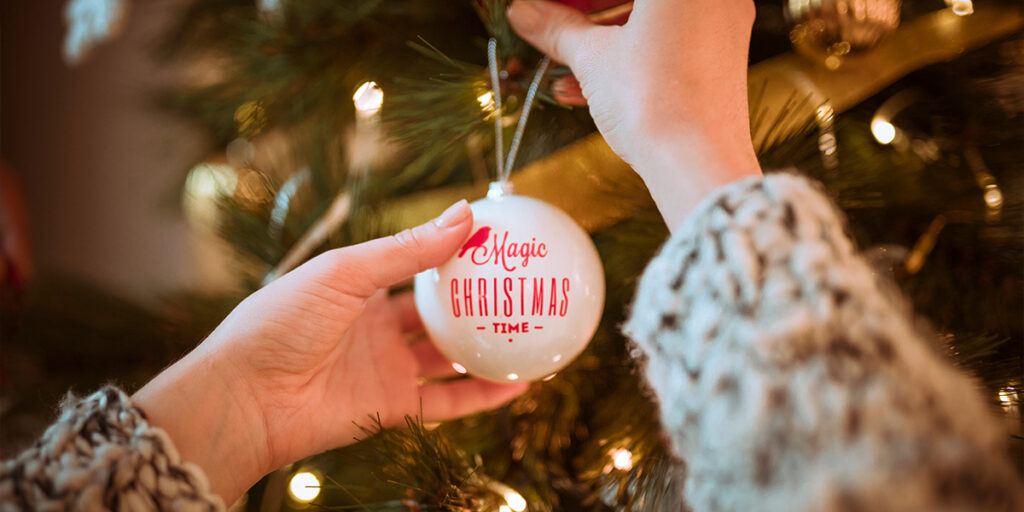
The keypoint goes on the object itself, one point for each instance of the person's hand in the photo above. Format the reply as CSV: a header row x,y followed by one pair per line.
x,y
667,90
296,364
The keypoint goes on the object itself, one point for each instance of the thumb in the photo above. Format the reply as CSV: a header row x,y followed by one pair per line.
x,y
555,29
367,267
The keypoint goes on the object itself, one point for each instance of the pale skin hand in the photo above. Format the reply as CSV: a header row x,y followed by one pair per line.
x,y
667,90
287,373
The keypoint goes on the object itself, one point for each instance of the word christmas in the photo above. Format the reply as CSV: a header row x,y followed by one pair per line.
x,y
509,296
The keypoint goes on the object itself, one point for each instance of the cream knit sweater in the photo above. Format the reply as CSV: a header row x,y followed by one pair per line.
x,y
789,379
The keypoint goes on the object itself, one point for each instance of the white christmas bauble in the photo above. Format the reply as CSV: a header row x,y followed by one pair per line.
x,y
521,298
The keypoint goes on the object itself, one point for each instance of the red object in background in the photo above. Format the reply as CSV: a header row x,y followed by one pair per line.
x,y
591,5
15,242
566,89
595,6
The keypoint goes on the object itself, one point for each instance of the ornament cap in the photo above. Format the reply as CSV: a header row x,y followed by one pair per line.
x,y
499,189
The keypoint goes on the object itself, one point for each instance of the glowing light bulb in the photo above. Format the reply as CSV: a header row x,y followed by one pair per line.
x,y
622,459
304,487
368,98
993,197
459,368
486,101
515,500
961,7
883,131
1004,397
504,508
209,180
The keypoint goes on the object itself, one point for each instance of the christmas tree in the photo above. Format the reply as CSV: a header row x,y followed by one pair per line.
x,y
331,123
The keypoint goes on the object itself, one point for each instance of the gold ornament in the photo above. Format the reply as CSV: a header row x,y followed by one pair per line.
x,y
832,29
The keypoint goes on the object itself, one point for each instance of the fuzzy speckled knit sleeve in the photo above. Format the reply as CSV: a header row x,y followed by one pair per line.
x,y
102,455
790,379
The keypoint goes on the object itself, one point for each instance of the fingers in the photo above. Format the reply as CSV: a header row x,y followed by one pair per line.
x,y
365,268
555,29
449,400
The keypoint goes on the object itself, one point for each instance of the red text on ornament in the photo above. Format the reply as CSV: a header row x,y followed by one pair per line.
x,y
507,297
509,255
510,327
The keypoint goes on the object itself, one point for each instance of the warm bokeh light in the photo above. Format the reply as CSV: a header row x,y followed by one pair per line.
x,y
486,101
304,487
961,7
209,180
993,197
515,500
622,459
883,131
1007,395
368,98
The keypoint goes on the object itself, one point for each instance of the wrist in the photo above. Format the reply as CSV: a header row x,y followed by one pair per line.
x,y
198,403
682,165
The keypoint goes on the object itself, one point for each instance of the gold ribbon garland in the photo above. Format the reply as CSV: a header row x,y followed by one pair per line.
x,y
598,189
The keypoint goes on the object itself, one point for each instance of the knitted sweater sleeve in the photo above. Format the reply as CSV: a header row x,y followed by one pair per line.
x,y
100,455
790,378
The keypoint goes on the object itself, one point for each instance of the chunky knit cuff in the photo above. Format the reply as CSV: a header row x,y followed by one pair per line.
x,y
103,455
790,378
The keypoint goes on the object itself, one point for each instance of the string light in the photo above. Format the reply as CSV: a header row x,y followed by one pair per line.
x,y
210,180
515,500
827,144
486,101
368,98
622,459
883,131
1004,397
304,487
993,196
961,7
881,123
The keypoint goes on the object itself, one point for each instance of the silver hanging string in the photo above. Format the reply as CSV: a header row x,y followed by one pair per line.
x,y
504,166
521,126
499,144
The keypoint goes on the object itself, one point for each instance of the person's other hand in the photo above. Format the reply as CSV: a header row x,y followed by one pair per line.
x,y
296,364
667,90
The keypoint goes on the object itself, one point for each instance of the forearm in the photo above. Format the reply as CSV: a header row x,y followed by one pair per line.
x,y
681,165
210,420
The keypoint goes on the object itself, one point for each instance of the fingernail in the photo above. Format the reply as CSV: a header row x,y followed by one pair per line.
x,y
455,214
524,14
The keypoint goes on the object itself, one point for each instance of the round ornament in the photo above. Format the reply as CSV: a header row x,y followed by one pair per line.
x,y
521,298
839,27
